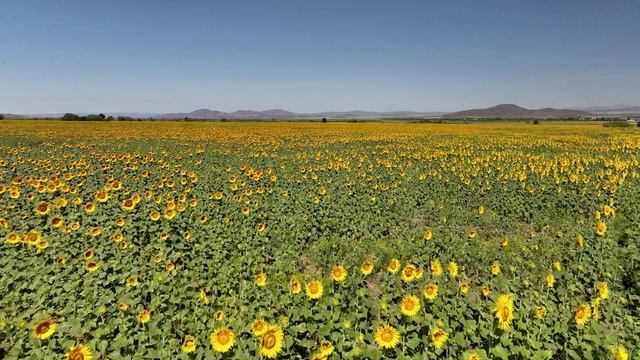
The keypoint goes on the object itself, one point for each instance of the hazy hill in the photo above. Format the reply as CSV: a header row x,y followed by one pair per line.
x,y
206,114
511,111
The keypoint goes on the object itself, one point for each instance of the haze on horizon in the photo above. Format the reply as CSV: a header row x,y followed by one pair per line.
x,y
310,56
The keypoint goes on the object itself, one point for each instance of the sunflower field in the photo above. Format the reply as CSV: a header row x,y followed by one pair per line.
x,y
195,240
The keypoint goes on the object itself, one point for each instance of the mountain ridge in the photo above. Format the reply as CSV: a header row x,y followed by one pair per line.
x,y
512,111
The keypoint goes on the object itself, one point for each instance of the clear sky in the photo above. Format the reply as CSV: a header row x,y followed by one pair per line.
x,y
316,55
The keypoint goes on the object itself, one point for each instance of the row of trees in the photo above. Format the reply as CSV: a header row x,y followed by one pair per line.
x,y
94,117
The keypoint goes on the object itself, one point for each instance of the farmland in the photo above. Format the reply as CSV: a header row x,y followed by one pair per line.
x,y
141,240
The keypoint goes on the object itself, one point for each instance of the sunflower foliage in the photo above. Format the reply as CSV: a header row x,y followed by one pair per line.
x,y
306,241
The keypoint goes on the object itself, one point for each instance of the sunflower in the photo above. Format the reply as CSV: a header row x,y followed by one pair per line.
x,y
91,266
619,353
56,221
295,286
319,356
154,215
601,228
314,289
580,240
410,305
219,315
43,208
189,344
42,244
557,266
464,288
132,281
169,214
203,297
430,291
504,310
170,266
338,273
583,314
44,328
128,204
13,238
486,290
394,265
326,348
550,279
387,336
409,272
472,355
453,269
540,311
259,327
222,340
144,316
438,337
495,268
603,290
102,196
90,208
261,279
436,268
79,352
366,268
123,306
427,235
271,341
471,233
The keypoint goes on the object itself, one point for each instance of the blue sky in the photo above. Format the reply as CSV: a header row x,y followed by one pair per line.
x,y
309,55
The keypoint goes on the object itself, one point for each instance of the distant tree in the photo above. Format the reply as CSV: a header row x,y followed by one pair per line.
x,y
1,116
324,120
109,118
93,117
70,117
102,116
536,122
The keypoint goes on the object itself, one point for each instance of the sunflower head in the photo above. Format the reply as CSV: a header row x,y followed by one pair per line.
x,y
44,328
222,340
261,279
314,289
189,344
271,341
338,273
430,291
79,352
438,337
387,336
410,305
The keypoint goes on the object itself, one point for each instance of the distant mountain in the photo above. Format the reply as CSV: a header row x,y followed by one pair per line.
x,y
13,116
511,111
611,110
206,114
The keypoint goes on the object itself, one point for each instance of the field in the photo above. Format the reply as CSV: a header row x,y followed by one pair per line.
x,y
140,240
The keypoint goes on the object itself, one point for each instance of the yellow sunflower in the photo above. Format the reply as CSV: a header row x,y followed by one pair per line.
x,y
43,208
259,327
438,337
366,268
583,314
409,272
603,290
504,310
436,268
540,311
79,352
144,316
619,353
387,336
314,289
464,288
189,344
394,265
44,328
453,269
326,348
295,286
551,280
271,341
203,297
427,235
495,268
410,305
91,266
430,291
261,279
338,273
601,228
222,340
